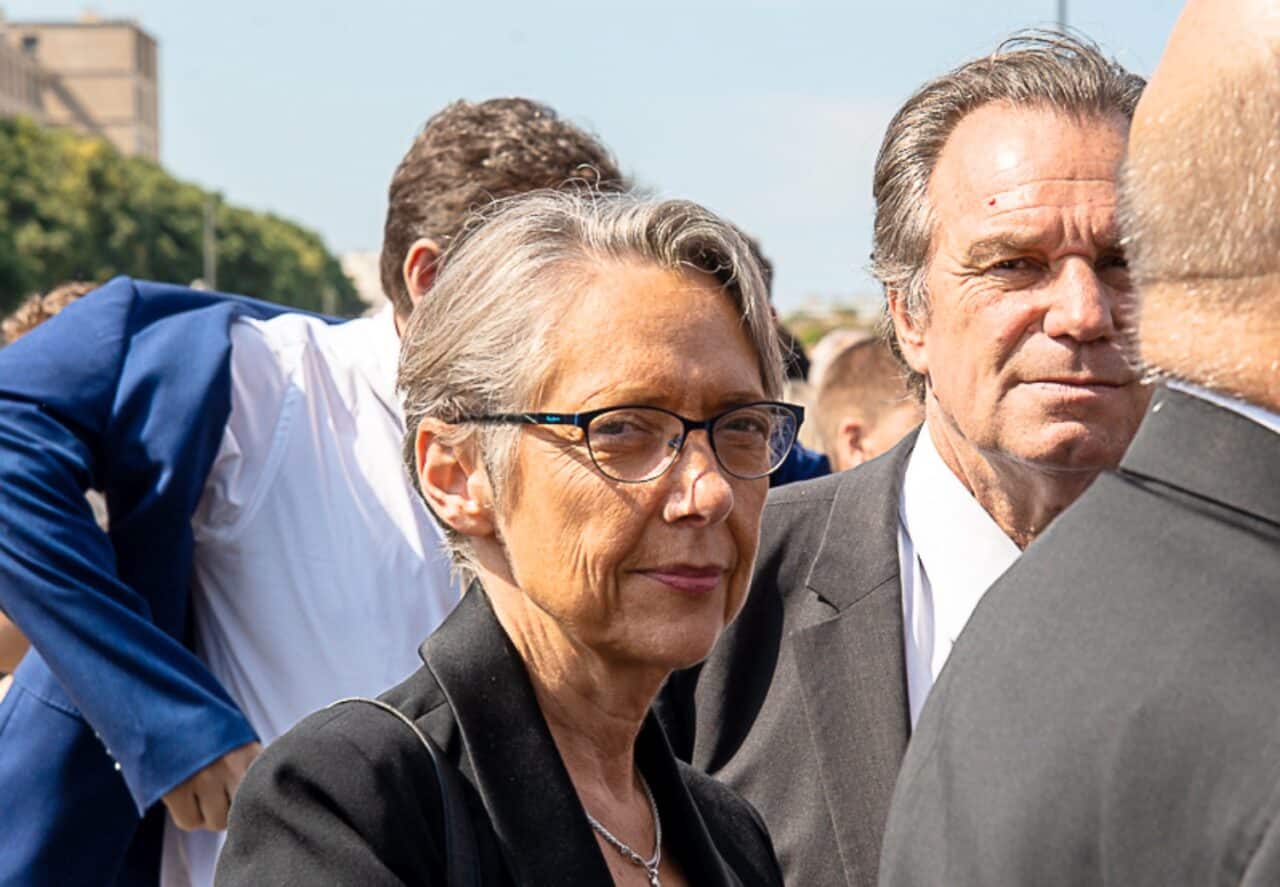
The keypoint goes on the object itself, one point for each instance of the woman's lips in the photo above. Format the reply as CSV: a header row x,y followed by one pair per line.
x,y
691,580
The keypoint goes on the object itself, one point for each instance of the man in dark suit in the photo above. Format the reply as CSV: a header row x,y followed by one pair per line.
x,y
995,238
1111,714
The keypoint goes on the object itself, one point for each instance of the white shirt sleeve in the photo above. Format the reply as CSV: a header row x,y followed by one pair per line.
x,y
263,397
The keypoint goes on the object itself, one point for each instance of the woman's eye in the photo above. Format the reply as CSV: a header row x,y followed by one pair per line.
x,y
747,425
615,427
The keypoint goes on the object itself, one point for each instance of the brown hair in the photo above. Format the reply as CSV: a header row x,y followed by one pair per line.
x,y
470,154
864,377
36,309
1036,69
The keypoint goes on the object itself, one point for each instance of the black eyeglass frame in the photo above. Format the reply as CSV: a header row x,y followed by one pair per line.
x,y
583,421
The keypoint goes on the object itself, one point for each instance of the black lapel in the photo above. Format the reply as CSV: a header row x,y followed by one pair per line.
x,y
534,809
684,831
540,824
851,666
1208,451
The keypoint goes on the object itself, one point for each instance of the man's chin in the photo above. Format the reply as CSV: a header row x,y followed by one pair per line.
x,y
1074,446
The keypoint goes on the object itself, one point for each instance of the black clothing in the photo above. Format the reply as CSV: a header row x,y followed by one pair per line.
x,y
348,796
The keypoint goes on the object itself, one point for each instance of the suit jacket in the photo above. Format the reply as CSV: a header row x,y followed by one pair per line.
x,y
349,795
126,391
802,707
1111,713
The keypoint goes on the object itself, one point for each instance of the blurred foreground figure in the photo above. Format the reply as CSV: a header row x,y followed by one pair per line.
x,y
864,406
1111,714
995,236
251,462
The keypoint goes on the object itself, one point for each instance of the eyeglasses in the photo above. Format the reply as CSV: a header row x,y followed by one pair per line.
x,y
634,444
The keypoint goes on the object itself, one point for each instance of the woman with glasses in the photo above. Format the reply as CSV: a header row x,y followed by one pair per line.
x,y
590,397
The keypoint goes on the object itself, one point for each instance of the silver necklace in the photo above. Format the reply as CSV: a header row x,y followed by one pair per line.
x,y
649,865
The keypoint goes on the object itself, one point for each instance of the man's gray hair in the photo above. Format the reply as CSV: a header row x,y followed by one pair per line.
x,y
481,340
1035,69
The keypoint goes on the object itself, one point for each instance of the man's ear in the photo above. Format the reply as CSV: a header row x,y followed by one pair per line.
x,y
850,443
454,481
910,332
419,269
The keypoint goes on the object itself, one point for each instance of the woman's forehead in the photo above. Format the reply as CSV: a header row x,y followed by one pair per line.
x,y
651,330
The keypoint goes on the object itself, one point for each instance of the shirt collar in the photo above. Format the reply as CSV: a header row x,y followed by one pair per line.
x,y
1264,417
963,551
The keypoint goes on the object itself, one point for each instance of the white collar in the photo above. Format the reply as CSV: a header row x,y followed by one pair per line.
x,y
963,551
1264,417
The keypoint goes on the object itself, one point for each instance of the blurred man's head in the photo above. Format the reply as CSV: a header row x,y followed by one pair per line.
x,y
1202,202
36,309
466,156
996,241
864,406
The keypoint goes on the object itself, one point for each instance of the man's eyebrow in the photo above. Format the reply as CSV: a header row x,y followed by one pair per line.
x,y
1002,246
998,246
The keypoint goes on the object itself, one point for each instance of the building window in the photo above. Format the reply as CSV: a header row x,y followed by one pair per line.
x,y
30,43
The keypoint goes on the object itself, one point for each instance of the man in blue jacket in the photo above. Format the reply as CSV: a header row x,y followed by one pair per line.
x,y
148,392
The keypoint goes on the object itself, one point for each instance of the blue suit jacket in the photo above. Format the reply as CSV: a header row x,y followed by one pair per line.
x,y
801,464
127,391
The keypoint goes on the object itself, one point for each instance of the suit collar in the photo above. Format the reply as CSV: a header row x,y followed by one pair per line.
x,y
534,809
852,667
858,552
1208,451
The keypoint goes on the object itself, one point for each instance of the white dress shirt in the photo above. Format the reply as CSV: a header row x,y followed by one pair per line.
x,y
949,553
1263,416
318,570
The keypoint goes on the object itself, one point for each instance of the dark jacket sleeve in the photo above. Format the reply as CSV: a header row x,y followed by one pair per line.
x,y
126,391
346,797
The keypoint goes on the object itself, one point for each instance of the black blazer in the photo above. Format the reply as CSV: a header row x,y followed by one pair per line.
x,y
802,707
349,796
1111,713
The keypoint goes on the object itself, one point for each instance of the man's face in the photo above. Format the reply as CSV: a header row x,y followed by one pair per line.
x,y
1028,289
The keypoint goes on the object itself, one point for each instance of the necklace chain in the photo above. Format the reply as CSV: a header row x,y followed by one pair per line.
x,y
651,864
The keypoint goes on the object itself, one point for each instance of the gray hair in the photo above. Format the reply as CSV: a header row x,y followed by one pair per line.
x,y
478,342
1036,69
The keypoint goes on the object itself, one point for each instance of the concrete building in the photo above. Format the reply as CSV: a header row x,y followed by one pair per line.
x,y
362,269
94,75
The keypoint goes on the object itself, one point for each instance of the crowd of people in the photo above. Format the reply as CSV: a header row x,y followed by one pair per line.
x,y
533,577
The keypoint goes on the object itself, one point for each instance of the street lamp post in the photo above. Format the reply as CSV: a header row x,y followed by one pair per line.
x,y
1062,15
210,241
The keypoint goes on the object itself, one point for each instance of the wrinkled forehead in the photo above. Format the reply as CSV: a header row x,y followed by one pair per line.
x,y
1001,150
1030,173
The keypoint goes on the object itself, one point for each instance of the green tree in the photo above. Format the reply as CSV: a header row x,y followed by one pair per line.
x,y
73,207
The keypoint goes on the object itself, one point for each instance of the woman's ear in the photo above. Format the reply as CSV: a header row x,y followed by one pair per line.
x,y
453,479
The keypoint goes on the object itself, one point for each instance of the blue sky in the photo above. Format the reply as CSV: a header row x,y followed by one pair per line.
x,y
768,111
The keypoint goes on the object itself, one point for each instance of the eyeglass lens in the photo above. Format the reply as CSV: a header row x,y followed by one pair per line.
x,y
639,443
